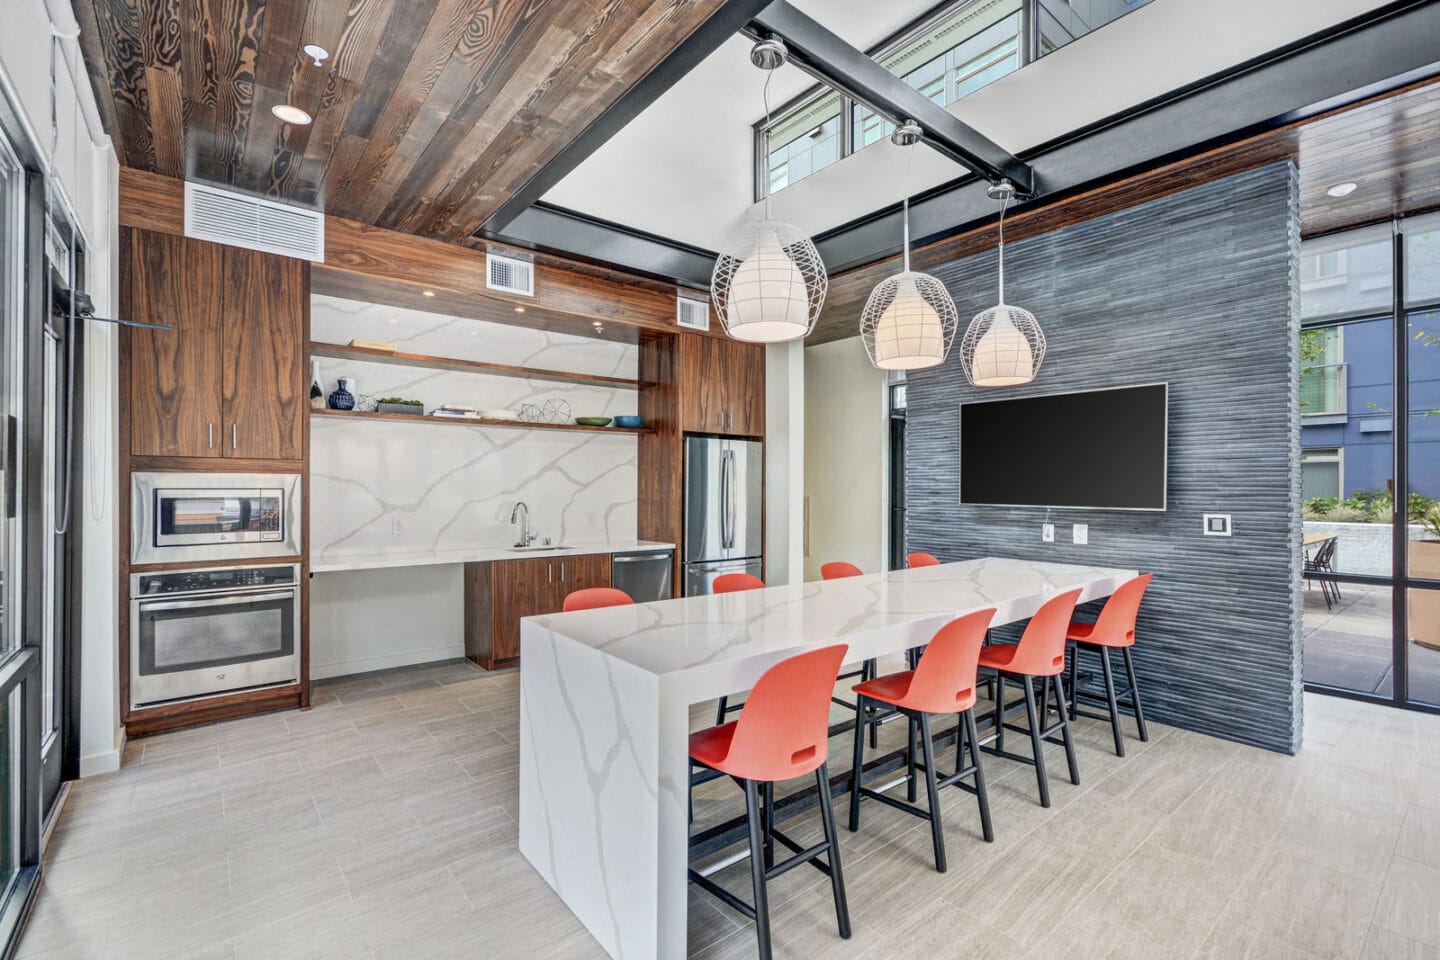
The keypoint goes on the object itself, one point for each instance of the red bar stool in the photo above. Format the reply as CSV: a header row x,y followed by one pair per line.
x,y
1115,627
783,732
943,682
840,570
732,583
592,598
919,559
1040,653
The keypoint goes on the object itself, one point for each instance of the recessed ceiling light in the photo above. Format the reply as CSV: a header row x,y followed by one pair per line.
x,y
427,293
1343,189
316,52
519,309
290,114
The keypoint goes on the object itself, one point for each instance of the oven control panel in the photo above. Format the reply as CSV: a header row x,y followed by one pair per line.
x,y
207,580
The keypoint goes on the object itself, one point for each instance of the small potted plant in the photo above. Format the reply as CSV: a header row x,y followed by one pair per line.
x,y
1425,562
398,405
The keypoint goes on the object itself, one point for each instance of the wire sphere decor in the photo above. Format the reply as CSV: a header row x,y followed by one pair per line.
x,y
769,283
1003,347
908,322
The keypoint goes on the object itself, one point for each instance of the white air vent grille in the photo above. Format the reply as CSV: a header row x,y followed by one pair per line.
x,y
255,224
692,314
511,274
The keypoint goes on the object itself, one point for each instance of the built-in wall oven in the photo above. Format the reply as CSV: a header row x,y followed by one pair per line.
x,y
197,633
213,517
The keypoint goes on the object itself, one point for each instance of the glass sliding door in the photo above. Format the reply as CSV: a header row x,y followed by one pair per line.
x,y
1369,400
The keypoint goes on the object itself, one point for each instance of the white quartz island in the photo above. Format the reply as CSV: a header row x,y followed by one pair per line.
x,y
604,715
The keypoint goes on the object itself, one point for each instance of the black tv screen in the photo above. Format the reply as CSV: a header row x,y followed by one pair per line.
x,y
1102,449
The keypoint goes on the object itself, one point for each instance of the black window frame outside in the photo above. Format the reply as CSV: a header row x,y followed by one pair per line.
x,y
1400,581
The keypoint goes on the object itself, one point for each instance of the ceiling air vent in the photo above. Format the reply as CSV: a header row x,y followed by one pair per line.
x,y
255,224
512,274
692,313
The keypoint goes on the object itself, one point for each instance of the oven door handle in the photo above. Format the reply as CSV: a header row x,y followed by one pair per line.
x,y
238,597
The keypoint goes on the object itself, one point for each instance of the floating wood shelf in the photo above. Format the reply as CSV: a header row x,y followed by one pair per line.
x,y
346,352
475,422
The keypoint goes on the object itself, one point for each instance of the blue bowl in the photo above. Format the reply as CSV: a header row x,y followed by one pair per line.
x,y
628,422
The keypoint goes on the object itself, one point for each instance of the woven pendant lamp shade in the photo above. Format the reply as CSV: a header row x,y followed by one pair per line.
x,y
1004,345
769,283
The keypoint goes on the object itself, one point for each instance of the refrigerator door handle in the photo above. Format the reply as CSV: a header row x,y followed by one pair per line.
x,y
727,500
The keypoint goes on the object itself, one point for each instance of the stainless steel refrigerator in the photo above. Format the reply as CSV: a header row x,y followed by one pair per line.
x,y
723,497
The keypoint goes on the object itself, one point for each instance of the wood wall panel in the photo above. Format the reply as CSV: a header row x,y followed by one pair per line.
x,y
265,381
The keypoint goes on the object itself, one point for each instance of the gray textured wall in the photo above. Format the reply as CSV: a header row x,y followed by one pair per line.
x,y
1198,289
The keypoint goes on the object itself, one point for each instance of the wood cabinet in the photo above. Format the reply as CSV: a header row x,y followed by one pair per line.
x,y
500,593
229,380
721,386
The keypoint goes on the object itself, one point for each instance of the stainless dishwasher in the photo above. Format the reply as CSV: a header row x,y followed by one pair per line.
x,y
644,576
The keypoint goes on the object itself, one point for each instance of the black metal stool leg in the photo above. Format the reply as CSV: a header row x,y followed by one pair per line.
x,y
980,795
720,711
1104,653
910,788
837,880
757,868
1065,733
1036,741
768,802
932,789
1135,693
999,711
857,764
1074,676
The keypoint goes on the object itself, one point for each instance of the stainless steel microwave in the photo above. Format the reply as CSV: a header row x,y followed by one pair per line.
x,y
213,517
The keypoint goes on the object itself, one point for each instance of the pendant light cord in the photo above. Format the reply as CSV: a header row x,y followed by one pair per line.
x,y
1004,202
765,98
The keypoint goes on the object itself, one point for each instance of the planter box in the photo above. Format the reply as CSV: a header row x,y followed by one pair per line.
x,y
1425,604
414,409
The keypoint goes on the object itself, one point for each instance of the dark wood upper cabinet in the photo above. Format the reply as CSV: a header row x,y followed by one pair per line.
x,y
174,407
262,350
229,380
722,386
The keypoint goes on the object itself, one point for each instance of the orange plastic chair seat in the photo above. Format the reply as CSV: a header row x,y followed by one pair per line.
x,y
1085,633
998,656
894,689
712,745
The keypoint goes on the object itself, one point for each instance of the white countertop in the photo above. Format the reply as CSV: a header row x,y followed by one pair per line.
x,y
338,562
698,634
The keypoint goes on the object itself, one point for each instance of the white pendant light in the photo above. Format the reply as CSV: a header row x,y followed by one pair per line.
x,y
1004,345
769,282
909,321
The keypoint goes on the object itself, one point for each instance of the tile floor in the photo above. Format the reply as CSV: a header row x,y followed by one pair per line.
x,y
1348,645
380,824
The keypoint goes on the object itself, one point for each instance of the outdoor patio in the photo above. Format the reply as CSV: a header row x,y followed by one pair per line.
x,y
1349,646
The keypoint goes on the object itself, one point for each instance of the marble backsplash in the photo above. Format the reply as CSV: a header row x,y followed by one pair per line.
x,y
378,487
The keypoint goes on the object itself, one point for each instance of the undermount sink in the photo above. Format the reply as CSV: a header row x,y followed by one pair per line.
x,y
538,546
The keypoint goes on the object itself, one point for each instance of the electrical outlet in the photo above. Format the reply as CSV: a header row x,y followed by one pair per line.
x,y
1047,533
397,525
1081,533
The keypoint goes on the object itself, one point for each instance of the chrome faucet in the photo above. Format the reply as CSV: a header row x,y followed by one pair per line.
x,y
526,536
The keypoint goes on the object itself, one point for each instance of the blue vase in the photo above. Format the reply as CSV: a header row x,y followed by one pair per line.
x,y
342,399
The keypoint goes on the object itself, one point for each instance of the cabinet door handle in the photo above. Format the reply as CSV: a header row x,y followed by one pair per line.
x,y
210,433
562,572
549,573
234,431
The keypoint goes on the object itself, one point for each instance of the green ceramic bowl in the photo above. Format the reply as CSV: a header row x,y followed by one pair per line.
x,y
593,421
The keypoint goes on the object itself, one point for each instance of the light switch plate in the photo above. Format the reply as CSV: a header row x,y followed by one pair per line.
x,y
397,525
1081,533
1047,533
1217,524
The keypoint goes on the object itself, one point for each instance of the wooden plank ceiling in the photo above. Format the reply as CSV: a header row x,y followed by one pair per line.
x,y
428,114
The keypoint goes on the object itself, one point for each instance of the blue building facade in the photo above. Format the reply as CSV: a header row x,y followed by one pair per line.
x,y
1347,375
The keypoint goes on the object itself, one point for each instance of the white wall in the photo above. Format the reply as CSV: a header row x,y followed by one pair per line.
x,y
83,174
784,462
656,175
846,450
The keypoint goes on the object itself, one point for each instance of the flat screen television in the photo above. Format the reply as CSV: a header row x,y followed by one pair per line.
x,y
1096,449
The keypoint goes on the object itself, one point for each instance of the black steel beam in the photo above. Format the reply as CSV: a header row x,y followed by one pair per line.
x,y
832,61
705,40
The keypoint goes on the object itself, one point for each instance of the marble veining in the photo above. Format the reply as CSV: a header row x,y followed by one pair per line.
x,y
605,701
414,489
